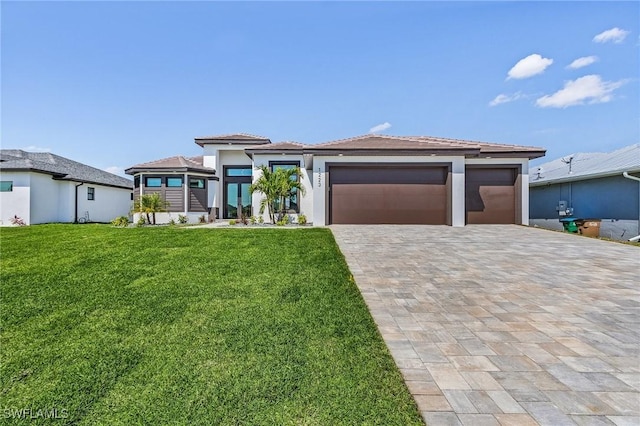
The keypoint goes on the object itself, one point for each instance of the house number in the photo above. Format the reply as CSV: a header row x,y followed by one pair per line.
x,y
319,178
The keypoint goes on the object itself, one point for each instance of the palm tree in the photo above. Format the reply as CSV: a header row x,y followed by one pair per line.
x,y
288,186
150,204
266,184
276,185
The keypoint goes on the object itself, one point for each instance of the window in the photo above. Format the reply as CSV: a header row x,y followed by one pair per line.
x,y
153,182
91,193
6,186
239,171
290,203
136,181
174,182
196,183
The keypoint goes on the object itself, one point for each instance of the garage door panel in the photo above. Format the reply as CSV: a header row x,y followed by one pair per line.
x,y
388,175
490,196
388,203
388,195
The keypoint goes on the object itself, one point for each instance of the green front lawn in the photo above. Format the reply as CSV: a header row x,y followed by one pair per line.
x,y
189,326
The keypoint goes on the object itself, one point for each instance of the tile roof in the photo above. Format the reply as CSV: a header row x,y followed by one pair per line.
x,y
280,146
177,163
586,165
375,142
59,167
235,138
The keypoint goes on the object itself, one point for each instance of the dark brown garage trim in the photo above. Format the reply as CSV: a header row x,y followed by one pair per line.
x,y
493,194
389,193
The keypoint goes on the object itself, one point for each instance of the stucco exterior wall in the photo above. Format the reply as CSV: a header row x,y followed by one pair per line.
x,y
109,203
45,199
37,198
18,201
218,156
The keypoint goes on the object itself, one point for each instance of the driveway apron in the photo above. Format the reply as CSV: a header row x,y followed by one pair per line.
x,y
504,324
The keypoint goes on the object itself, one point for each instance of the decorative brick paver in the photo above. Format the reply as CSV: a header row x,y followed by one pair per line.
x,y
505,325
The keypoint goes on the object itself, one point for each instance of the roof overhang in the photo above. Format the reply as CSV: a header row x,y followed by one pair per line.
x,y
394,152
137,170
582,177
513,154
204,141
71,179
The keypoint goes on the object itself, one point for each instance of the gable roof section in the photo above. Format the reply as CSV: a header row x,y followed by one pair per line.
x,y
59,167
587,165
233,139
177,163
373,143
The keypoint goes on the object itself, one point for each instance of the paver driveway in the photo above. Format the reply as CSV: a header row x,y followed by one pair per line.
x,y
498,324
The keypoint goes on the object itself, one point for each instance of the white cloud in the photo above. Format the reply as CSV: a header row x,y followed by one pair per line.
x,y
588,89
380,127
503,98
33,148
529,66
116,170
615,35
583,62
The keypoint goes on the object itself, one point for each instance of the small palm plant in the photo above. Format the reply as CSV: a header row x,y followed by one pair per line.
x,y
288,186
150,204
266,184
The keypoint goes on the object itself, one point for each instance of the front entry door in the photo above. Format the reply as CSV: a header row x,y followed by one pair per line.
x,y
237,199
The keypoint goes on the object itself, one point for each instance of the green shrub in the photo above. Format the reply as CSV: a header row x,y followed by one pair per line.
x,y
201,219
252,219
260,219
120,221
232,222
183,218
141,221
172,222
302,219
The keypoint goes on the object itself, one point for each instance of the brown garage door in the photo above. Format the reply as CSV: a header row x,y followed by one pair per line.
x,y
392,195
490,195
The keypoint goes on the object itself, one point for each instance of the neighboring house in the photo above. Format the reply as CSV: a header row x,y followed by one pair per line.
x,y
365,179
40,187
591,186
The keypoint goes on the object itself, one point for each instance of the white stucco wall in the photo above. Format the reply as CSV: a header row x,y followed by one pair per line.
x,y
319,180
45,199
218,156
16,202
306,200
108,204
37,198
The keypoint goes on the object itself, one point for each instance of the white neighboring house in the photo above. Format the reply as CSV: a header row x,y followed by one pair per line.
x,y
366,179
40,187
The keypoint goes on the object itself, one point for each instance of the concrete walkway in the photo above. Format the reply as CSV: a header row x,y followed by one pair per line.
x,y
505,325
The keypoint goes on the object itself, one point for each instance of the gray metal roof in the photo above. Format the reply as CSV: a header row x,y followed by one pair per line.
x,y
587,165
59,167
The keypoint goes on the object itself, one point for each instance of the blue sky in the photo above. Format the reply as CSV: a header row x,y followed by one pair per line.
x,y
113,84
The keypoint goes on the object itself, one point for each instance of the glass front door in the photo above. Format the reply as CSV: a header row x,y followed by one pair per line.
x,y
237,197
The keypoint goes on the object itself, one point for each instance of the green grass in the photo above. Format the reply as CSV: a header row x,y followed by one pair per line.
x,y
190,326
